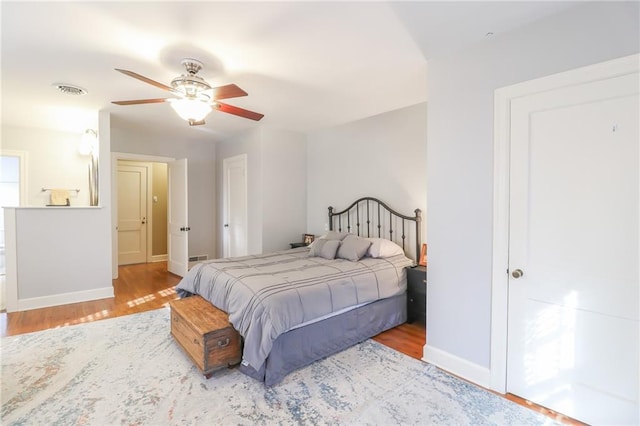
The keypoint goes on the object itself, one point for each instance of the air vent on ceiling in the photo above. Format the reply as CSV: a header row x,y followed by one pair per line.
x,y
70,89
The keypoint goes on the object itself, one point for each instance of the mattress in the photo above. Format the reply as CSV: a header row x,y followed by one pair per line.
x,y
267,295
302,346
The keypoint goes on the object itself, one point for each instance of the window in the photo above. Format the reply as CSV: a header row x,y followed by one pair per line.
x,y
11,195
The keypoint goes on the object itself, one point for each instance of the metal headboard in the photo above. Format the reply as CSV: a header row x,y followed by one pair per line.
x,y
371,218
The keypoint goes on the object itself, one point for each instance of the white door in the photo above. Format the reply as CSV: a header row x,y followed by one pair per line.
x,y
235,206
573,250
177,215
132,214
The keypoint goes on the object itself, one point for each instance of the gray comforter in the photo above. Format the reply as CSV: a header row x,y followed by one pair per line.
x,y
267,295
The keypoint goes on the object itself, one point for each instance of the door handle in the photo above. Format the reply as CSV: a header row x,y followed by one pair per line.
x,y
517,273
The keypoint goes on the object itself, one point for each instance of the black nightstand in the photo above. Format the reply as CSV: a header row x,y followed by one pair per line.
x,y
296,245
417,294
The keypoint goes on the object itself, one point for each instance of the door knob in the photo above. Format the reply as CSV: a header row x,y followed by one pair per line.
x,y
517,273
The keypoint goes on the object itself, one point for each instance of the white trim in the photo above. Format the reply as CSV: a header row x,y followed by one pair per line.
x,y
115,156
65,298
159,258
140,157
500,259
457,366
65,208
10,238
501,147
11,260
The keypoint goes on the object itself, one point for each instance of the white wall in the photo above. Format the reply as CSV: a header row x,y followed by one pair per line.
x,y
284,172
276,187
460,161
53,161
383,156
62,255
201,159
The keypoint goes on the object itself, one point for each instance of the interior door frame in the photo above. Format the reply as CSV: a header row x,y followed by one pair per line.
x,y
501,180
10,295
115,156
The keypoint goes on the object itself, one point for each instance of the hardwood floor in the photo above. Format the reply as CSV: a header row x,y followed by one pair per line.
x,y
150,286
139,288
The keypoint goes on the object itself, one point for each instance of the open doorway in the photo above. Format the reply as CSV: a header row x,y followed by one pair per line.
x,y
176,210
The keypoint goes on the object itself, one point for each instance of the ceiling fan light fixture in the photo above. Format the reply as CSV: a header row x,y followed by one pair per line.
x,y
195,97
190,109
190,85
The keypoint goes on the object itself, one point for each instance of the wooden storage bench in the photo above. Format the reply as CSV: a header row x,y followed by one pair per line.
x,y
205,334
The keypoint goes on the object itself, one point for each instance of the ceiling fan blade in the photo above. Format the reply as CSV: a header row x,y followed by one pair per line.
x,y
145,79
140,101
238,111
196,123
226,92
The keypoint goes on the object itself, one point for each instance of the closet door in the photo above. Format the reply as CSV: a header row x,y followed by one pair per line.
x,y
573,321
132,214
178,228
235,206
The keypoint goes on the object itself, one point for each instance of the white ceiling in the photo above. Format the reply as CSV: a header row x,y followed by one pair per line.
x,y
305,65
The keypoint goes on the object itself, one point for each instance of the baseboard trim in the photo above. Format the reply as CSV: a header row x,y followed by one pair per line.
x,y
462,368
159,258
64,298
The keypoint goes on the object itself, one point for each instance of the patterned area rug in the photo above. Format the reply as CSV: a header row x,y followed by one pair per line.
x,y
128,370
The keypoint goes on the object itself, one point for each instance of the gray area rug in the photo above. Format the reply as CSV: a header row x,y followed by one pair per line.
x,y
129,370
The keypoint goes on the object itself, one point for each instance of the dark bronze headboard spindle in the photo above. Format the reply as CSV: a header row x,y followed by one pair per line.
x,y
368,221
382,210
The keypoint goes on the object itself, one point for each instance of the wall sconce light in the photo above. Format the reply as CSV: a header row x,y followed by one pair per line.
x,y
89,146
88,143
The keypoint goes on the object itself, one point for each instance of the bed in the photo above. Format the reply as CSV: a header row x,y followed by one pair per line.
x,y
293,307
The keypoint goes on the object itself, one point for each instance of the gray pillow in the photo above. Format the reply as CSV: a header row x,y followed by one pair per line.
x,y
324,248
353,248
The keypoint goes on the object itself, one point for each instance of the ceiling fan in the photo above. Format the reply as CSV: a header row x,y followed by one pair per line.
x,y
195,98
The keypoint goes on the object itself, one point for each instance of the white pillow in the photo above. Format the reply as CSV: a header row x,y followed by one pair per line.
x,y
383,248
